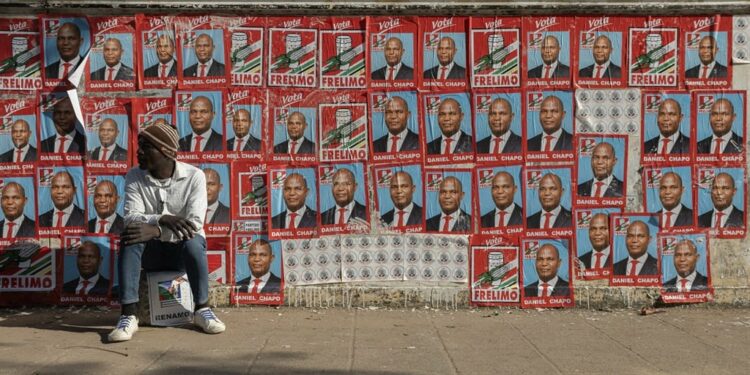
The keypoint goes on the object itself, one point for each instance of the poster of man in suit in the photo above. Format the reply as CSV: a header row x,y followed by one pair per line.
x,y
18,203
399,198
67,40
106,199
245,123
107,123
343,198
449,135
500,199
203,56
721,200
293,202
546,273
707,50
158,55
258,270
497,126
666,127
634,260
199,121
87,271
218,214
60,199
18,144
548,200
61,129
599,42
549,125
601,177
112,59
395,126
448,198
720,127
393,52
444,53
593,257
549,51
294,128
668,193
685,268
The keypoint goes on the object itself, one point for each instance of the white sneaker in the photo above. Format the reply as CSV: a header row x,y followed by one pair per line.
x,y
207,320
126,327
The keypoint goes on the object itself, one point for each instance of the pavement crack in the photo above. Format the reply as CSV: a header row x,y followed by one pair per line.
x,y
95,348
257,354
353,342
622,345
536,349
445,348
157,359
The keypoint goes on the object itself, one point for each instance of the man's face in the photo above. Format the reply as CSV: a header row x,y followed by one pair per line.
x,y
602,50
164,49
343,188
550,193
670,191
204,48
599,232
112,52
707,50
241,123
550,50
547,263
148,155
503,190
685,258
450,195
446,50
105,199
213,186
393,51
68,42
603,160
201,115
62,191
260,258
721,118
13,202
396,115
20,133
551,115
295,126
402,190
449,117
108,132
500,117
722,191
295,192
88,261
669,117
64,117
637,238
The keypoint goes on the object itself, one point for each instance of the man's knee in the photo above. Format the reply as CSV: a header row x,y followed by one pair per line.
x,y
195,246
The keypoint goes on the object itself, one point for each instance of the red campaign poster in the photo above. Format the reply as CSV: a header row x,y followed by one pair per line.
x,y
448,133
61,133
494,271
157,60
499,199
601,170
549,126
28,273
548,200
395,127
394,52
18,218
20,65
599,43
343,126
61,200
294,210
344,198
86,270
719,126
246,53
202,46
685,268
593,256
113,55
200,125
65,50
498,119
668,192
258,275
244,115
444,57
343,53
547,42
448,200
218,261
293,124
250,198
654,59
546,273
19,134
721,198
218,190
635,261
105,198
495,52
399,197
108,129
707,51
292,52
665,128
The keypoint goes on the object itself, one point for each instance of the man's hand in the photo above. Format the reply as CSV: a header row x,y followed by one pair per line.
x,y
139,232
181,227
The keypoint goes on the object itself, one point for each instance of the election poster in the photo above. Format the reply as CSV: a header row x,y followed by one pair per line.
x,y
494,273
170,298
151,110
86,270
668,192
202,42
601,178
634,261
18,219
685,268
719,127
61,131
19,135
343,126
399,197
444,53
344,198
549,51
218,190
27,266
495,52
449,136
108,127
548,201
436,258
105,199
217,260
721,198
20,60
112,58
60,200
547,271
199,126
616,111
157,56
367,258
654,59
246,127
250,199
293,125
395,127
665,131
343,53
498,118
65,50
246,54
316,261
292,52
499,201
707,51
294,210
258,274
549,127
593,257
600,42
394,52
448,200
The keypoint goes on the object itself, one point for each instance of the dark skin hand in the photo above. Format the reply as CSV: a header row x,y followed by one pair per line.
x,y
142,232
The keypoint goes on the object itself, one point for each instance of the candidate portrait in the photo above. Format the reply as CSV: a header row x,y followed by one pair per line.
x,y
166,66
405,211
599,256
552,214
708,68
506,212
446,68
502,140
553,137
22,151
296,213
64,212
638,262
296,142
13,201
673,213
604,184
395,68
723,140
670,139
603,67
451,217
688,279
261,279
547,265
107,220
68,42
551,66
108,149
452,140
242,123
217,212
89,281
399,137
202,138
206,66
67,139
346,208
723,214
113,68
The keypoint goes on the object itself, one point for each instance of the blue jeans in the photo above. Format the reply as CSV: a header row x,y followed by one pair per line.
x,y
187,256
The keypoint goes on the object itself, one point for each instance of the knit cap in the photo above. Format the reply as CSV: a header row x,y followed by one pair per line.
x,y
163,136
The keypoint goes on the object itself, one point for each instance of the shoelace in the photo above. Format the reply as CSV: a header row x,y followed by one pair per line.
x,y
208,315
124,323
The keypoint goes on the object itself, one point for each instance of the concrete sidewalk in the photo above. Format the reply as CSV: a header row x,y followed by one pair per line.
x,y
262,340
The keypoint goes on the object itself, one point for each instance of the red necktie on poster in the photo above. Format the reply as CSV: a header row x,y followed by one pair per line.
x,y
203,70
19,154
633,268
545,290
61,147
66,69
598,190
197,147
496,148
548,143
664,144
163,72
668,220
448,146
390,73
85,286
717,148
239,145
598,260
598,72
705,72
59,222
342,216
256,283
547,223
447,223
400,222
105,150
10,225
443,72
292,220
293,147
683,285
205,218
501,220
102,226
394,143
547,69
719,215
110,74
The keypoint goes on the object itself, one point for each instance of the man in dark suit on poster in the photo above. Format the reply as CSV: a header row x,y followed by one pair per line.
x,y
108,150
297,214
89,282
600,255
639,262
113,68
602,68
296,143
22,151
670,140
261,279
673,213
242,140
107,219
216,213
69,42
550,284
64,213
206,66
604,184
66,138
399,137
203,138
394,68
708,68
688,279
451,217
346,208
405,212
551,67
501,140
506,212
446,68
724,214
452,139
554,214
722,139
553,137
166,67
15,224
